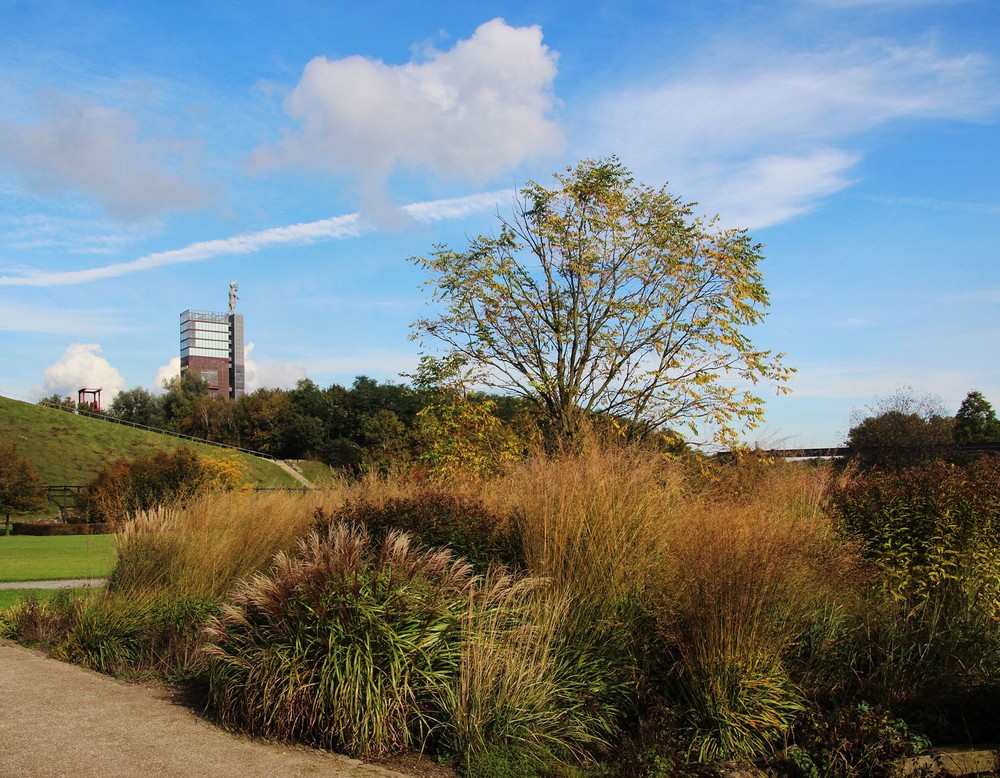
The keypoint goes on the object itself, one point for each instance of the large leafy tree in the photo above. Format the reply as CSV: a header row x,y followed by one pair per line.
x,y
900,431
21,487
976,421
604,296
137,406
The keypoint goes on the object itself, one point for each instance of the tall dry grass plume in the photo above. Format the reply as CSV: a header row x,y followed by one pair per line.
x,y
512,690
215,539
594,524
753,566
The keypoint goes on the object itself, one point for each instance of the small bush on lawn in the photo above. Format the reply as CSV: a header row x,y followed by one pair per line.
x,y
439,518
342,644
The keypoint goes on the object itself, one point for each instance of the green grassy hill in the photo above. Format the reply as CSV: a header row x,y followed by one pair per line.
x,y
70,449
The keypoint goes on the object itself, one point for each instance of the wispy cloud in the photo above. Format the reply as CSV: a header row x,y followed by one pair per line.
x,y
861,383
335,228
55,321
851,323
767,135
936,204
884,5
69,234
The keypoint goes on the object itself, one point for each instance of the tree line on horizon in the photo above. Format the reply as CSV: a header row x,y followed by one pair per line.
x,y
369,425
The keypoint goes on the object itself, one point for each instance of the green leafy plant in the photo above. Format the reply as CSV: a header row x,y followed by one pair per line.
x,y
342,644
927,525
852,740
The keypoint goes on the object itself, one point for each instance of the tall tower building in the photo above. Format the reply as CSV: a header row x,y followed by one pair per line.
x,y
212,346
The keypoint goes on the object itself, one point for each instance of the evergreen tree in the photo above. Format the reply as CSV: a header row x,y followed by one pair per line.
x,y
976,422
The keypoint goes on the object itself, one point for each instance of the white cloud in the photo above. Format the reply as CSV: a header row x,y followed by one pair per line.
x,y
81,366
71,235
270,375
377,363
96,150
163,374
774,188
472,112
259,375
765,138
334,228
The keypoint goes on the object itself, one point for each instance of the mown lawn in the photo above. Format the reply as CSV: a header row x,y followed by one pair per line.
x,y
70,449
30,558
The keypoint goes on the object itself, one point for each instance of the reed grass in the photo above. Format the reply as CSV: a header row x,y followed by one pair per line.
x,y
515,691
754,568
203,548
722,594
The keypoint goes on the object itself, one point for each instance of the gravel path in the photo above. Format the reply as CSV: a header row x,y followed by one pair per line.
x,y
72,583
60,720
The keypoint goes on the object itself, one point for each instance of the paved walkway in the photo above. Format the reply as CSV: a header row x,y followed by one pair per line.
x,y
59,720
72,583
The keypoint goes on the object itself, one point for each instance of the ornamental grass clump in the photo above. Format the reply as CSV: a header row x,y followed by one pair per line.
x,y
138,634
593,525
752,575
519,691
341,644
204,547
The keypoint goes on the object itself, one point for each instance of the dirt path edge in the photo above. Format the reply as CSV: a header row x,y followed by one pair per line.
x,y
58,719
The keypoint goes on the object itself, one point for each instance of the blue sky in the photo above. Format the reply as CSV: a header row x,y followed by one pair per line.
x,y
152,153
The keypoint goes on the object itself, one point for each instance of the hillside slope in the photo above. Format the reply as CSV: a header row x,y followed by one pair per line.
x,y
70,449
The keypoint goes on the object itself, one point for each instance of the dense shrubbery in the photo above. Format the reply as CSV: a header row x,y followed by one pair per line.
x,y
651,614
369,426
928,525
928,646
436,517
126,488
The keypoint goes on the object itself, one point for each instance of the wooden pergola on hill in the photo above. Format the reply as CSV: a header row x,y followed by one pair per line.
x,y
94,395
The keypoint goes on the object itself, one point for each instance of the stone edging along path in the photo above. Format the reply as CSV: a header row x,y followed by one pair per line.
x,y
58,719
